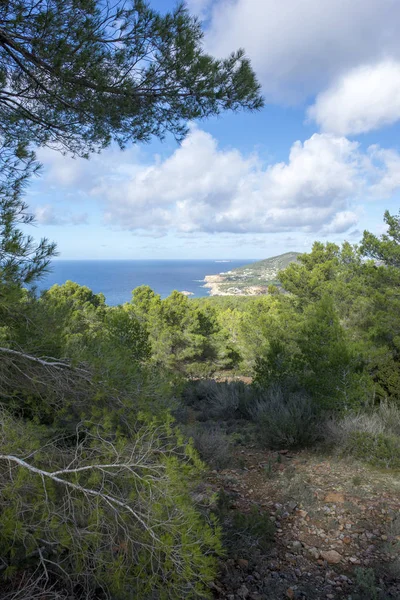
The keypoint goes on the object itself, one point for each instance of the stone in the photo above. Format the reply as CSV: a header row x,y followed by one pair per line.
x,y
242,563
331,556
334,497
290,593
296,545
314,552
347,539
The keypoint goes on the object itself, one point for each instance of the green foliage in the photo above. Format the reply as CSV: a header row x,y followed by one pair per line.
x,y
379,449
279,364
310,277
387,247
184,337
357,336
365,584
129,527
79,74
21,260
333,369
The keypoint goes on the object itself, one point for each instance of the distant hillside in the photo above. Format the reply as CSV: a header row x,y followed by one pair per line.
x,y
252,279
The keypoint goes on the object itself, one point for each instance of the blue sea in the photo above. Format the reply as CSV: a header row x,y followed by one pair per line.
x,y
117,278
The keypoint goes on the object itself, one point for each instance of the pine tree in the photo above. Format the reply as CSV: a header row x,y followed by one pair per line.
x,y
77,74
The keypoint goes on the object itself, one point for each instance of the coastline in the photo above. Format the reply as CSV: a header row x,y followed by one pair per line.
x,y
213,283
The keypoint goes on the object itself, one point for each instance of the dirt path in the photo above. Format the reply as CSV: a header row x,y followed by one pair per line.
x,y
337,528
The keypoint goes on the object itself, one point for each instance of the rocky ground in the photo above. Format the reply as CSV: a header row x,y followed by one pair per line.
x,y
335,530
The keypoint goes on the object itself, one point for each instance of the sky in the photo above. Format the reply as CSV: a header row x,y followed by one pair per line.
x,y
321,160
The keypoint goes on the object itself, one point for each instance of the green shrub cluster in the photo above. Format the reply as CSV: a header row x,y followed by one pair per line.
x,y
379,449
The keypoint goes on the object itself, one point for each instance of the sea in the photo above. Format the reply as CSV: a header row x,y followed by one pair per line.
x,y
117,278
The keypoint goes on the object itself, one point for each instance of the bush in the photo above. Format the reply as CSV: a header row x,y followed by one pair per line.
x,y
365,584
380,450
285,419
371,436
217,400
100,513
213,445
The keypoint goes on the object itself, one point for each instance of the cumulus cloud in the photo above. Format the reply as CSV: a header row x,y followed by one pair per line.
x,y
78,173
298,46
365,98
46,215
202,188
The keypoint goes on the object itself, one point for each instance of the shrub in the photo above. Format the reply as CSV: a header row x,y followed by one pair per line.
x,y
378,449
365,585
285,419
213,445
217,400
372,436
101,513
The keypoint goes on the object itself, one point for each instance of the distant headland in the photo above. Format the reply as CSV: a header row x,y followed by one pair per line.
x,y
250,280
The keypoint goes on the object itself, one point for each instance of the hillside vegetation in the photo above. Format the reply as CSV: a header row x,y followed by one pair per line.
x,y
120,425
251,280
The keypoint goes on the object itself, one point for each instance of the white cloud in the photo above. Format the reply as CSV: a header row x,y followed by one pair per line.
x,y
46,215
365,98
298,46
386,164
64,171
201,188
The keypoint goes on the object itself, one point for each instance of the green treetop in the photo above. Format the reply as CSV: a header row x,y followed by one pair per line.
x,y
78,74
387,247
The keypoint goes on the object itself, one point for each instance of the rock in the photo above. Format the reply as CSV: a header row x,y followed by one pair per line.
x,y
314,552
331,556
243,592
301,513
290,593
242,563
334,497
347,539
296,546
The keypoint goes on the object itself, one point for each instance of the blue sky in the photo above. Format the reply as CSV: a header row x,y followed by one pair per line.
x,y
320,161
